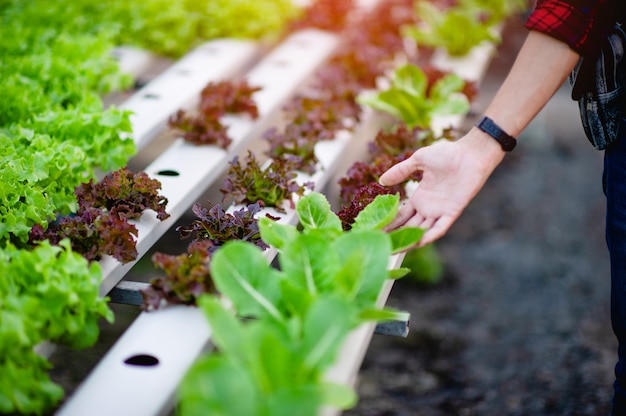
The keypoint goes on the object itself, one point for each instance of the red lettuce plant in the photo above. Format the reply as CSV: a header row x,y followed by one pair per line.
x,y
323,115
100,226
295,144
228,97
201,130
93,232
216,100
401,139
336,82
187,277
330,15
124,193
249,183
311,120
368,50
360,174
218,226
361,66
363,197
381,28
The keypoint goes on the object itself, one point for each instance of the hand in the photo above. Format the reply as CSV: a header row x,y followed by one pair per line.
x,y
453,173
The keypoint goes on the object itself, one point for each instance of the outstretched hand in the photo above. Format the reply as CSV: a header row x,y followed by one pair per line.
x,y
453,173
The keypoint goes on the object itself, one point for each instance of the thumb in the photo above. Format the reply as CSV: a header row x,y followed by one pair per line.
x,y
400,171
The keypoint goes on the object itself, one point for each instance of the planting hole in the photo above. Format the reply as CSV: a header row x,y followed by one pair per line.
x,y
168,172
142,360
151,96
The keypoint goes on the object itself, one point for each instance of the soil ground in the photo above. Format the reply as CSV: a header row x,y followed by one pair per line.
x,y
519,324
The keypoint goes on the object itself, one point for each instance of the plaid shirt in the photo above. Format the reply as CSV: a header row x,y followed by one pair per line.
x,y
582,24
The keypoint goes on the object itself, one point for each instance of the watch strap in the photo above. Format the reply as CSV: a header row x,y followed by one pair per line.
x,y
487,125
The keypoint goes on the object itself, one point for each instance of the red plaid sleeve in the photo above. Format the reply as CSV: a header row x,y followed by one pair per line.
x,y
579,23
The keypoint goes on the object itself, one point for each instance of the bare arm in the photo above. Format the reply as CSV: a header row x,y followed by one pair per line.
x,y
454,172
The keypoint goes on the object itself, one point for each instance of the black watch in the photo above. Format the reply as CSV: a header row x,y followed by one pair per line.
x,y
487,125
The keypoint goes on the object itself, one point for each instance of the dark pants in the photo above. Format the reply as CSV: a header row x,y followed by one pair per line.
x,y
614,180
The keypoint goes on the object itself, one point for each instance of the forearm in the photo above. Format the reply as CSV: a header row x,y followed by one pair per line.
x,y
455,171
542,65
540,68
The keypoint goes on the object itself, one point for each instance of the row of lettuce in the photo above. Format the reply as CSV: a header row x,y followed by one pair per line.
x,y
56,222
285,325
57,63
55,135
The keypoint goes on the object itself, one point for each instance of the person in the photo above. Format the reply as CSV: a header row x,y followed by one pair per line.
x,y
560,32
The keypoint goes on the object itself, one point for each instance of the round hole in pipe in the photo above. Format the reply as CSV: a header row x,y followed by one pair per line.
x,y
151,96
168,172
142,360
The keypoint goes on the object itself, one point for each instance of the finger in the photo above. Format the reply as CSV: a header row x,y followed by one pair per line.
x,y
405,212
420,221
427,223
437,230
400,171
415,220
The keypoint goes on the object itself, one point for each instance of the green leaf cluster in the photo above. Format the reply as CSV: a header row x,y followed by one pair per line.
x,y
413,101
166,27
47,158
494,11
298,314
49,293
172,27
244,18
55,64
54,58
457,29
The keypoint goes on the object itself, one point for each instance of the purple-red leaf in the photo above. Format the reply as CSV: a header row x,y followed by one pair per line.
x,y
93,232
249,183
218,226
187,277
123,193
363,197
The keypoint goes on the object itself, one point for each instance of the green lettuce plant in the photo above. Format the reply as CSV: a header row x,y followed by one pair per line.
x,y
298,315
456,29
45,161
413,101
47,294
493,11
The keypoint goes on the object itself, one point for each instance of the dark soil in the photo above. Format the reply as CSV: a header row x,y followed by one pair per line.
x,y
519,325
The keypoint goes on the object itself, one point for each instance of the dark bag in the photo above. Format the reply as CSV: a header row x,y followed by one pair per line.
x,y
598,86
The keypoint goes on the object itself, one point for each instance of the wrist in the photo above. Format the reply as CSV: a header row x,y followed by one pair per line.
x,y
484,148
